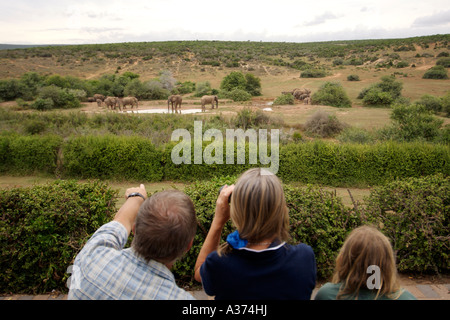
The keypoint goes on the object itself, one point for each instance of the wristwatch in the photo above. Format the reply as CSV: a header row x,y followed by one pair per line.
x,y
135,194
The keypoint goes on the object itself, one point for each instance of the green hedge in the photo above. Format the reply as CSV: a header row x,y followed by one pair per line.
x,y
361,165
42,228
136,158
115,157
29,154
414,213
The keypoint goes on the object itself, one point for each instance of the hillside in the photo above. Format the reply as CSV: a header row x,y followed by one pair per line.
x,y
278,65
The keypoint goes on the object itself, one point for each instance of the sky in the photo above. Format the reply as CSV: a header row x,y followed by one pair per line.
x,y
112,21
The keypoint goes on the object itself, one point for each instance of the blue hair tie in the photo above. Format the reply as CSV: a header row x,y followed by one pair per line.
x,y
235,240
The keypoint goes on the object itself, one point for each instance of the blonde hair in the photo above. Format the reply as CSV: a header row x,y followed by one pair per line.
x,y
366,246
258,208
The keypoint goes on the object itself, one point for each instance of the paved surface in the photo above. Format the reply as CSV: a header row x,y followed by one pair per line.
x,y
420,291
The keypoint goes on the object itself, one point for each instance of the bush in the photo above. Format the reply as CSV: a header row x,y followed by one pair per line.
x,y
383,93
323,124
202,88
43,228
355,135
414,214
238,95
415,122
445,62
376,97
29,154
353,77
61,98
43,104
284,99
431,103
352,164
436,72
402,64
237,80
313,73
106,157
332,94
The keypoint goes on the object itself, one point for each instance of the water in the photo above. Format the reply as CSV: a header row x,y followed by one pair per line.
x,y
183,111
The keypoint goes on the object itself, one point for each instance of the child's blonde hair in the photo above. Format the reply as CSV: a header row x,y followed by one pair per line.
x,y
366,246
258,207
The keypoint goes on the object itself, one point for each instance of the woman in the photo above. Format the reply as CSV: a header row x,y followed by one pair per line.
x,y
365,269
255,262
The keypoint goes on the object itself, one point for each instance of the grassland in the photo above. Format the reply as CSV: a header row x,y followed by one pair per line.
x,y
278,65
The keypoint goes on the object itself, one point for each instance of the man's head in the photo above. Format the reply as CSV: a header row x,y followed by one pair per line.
x,y
165,226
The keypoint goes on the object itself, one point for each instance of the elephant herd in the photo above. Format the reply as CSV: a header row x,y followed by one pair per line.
x,y
114,102
176,100
301,94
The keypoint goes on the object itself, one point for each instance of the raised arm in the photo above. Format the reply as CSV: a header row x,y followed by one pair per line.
x,y
212,241
128,212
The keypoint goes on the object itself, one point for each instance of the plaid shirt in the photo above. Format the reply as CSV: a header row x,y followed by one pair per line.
x,y
103,270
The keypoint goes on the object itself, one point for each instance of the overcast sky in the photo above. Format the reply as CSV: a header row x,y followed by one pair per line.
x,y
106,21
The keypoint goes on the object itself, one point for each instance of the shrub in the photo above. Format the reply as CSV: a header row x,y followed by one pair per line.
x,y
445,62
105,157
383,93
284,99
353,77
377,97
313,73
237,80
30,154
402,64
238,95
43,228
43,104
436,72
414,214
332,94
253,84
415,122
202,88
360,165
431,103
61,98
323,124
355,135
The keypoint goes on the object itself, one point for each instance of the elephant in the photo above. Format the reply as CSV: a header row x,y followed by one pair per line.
x,y
99,103
307,100
91,99
99,96
174,99
209,99
112,102
132,101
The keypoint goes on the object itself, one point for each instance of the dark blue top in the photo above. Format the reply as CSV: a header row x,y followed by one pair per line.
x,y
284,272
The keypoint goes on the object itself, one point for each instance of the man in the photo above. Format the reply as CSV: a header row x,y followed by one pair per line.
x,y
164,227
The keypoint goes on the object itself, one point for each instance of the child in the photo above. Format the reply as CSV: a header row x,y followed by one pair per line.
x,y
365,269
255,262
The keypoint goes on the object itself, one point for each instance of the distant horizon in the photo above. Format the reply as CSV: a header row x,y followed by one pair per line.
x,y
25,45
